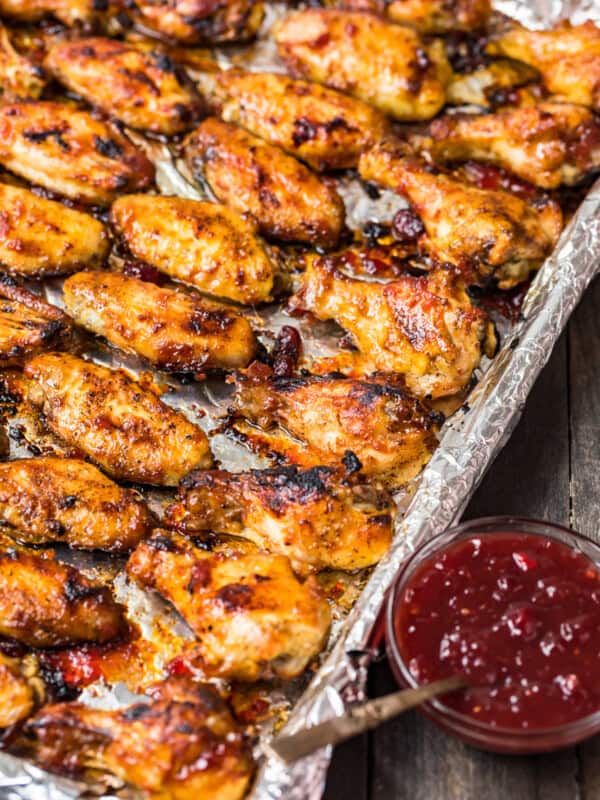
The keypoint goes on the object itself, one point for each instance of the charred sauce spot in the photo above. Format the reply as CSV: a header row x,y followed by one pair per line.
x,y
351,462
199,576
144,272
108,147
235,596
38,137
407,226
287,351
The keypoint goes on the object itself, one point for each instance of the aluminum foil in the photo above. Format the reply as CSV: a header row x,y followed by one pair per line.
x,y
470,441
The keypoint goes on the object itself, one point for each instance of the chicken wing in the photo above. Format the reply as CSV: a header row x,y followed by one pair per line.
x,y
70,152
353,424
40,237
314,516
44,603
145,90
183,745
69,12
68,500
440,16
20,79
176,332
425,328
324,128
20,690
484,232
27,324
548,145
288,201
112,419
567,56
386,65
204,244
499,83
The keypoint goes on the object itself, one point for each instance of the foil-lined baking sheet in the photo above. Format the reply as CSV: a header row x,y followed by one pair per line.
x,y
470,440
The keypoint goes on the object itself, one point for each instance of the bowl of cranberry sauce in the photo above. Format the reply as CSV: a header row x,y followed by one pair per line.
x,y
513,605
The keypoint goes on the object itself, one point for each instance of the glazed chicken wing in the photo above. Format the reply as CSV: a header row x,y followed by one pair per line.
x,y
184,745
547,145
567,56
253,617
69,12
204,244
386,65
314,516
114,421
343,423
20,690
142,89
499,83
288,201
27,324
40,237
485,232
20,79
324,128
70,152
44,603
440,16
176,332
424,328
68,500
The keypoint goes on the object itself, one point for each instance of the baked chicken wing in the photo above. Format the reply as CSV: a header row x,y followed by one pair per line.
x,y
20,690
70,152
204,244
338,422
499,83
176,332
69,12
112,419
324,128
288,201
253,617
27,324
44,603
440,16
567,56
145,90
485,232
68,500
314,516
40,237
20,79
386,65
183,745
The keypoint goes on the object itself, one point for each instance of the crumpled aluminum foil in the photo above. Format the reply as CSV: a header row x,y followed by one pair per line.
x,y
470,442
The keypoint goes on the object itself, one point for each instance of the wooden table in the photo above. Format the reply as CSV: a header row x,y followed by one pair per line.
x,y
549,469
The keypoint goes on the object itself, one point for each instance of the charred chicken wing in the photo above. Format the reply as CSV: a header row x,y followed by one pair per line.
x,y
20,79
288,201
313,516
184,745
142,89
112,419
20,690
70,152
68,500
498,83
324,128
340,422
40,237
44,603
175,331
69,12
485,232
253,617
380,63
204,244
440,16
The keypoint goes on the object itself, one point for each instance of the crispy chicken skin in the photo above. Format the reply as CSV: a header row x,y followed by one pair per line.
x,y
199,21
497,83
288,201
183,745
70,152
207,245
253,617
142,89
548,145
27,324
44,603
19,78
40,237
567,56
314,516
341,421
121,426
425,328
69,12
18,692
67,500
176,332
485,232
386,65
324,128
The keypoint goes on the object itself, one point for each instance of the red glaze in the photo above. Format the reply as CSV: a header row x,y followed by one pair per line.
x,y
519,616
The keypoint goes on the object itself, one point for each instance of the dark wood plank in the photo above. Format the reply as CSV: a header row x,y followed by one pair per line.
x,y
348,774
